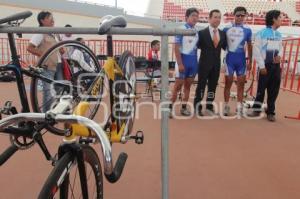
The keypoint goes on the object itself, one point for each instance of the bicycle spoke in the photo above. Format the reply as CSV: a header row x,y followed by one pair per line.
x,y
46,103
94,189
25,140
90,174
44,132
75,178
72,190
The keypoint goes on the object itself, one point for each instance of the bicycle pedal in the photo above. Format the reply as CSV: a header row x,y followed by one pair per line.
x,y
139,137
8,109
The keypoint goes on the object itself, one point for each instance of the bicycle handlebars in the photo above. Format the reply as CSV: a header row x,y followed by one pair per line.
x,y
112,173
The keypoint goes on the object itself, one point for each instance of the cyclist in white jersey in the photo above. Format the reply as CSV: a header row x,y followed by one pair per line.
x,y
186,61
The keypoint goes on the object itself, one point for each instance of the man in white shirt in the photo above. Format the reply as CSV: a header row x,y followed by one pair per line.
x,y
68,36
39,45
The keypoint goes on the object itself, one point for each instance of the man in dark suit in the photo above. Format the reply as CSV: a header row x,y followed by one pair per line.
x,y
211,41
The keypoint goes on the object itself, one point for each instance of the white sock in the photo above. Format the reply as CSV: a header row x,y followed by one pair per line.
x,y
239,105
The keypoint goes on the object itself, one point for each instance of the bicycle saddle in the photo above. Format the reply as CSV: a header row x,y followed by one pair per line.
x,y
16,17
109,21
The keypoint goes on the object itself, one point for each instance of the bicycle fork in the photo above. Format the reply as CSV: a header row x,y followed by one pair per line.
x,y
77,153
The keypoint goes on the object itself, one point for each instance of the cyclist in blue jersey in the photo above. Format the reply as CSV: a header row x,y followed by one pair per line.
x,y
186,61
267,51
238,35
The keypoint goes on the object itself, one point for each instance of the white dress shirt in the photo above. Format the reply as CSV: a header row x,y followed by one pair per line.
x,y
211,30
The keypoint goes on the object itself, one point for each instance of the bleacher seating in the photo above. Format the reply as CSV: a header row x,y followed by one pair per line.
x,y
174,10
298,6
256,9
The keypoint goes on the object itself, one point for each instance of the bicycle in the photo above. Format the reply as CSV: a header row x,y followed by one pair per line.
x,y
121,77
36,73
118,129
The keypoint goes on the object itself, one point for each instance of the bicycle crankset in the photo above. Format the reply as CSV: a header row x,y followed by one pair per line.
x,y
21,142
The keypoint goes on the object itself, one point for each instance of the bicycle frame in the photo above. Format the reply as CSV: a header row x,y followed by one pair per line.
x,y
111,68
16,68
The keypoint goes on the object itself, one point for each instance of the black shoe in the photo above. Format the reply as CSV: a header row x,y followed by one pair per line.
x,y
199,113
271,118
170,113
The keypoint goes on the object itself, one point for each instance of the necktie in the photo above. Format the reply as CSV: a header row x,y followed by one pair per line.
x,y
215,38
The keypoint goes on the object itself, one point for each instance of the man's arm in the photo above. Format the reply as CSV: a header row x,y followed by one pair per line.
x,y
277,59
178,58
224,45
33,50
257,54
199,40
34,42
78,56
250,48
178,43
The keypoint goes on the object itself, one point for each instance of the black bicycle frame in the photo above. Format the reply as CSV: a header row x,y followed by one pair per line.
x,y
110,53
15,66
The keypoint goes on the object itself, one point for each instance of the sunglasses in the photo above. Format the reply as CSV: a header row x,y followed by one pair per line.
x,y
240,15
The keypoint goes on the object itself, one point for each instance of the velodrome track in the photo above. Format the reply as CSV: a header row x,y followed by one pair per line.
x,y
209,159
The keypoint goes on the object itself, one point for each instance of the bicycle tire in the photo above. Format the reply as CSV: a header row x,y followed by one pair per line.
x,y
35,95
127,65
59,179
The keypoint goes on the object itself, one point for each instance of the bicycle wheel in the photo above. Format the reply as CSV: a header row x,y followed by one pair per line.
x,y
125,90
83,68
64,181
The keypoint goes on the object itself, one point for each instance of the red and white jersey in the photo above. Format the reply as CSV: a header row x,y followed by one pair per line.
x,y
153,55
